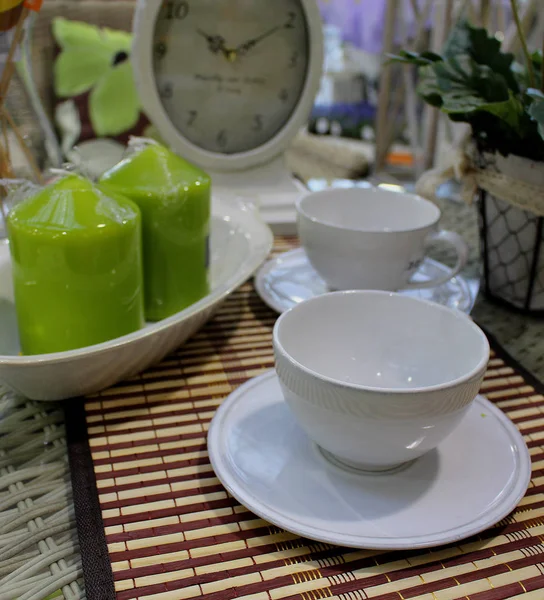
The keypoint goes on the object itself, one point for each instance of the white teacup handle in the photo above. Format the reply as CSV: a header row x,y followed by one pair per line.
x,y
461,249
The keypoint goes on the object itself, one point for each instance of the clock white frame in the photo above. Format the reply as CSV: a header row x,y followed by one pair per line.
x,y
142,60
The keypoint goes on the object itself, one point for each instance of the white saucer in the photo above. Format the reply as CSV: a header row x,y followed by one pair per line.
x,y
289,279
473,480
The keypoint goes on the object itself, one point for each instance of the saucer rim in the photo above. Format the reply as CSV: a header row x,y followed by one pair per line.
x,y
224,471
269,265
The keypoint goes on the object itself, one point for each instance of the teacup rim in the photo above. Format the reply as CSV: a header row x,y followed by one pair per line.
x,y
372,189
386,391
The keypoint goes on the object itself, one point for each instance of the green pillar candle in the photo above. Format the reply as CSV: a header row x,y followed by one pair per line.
x,y
174,197
77,266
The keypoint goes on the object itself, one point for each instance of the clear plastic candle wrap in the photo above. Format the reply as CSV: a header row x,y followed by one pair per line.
x,y
77,265
174,198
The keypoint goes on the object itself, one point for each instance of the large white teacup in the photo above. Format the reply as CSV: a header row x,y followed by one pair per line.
x,y
371,238
376,378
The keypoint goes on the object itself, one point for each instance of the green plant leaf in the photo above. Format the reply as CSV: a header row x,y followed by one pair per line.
x,y
70,34
536,109
537,58
414,58
476,83
535,94
482,49
462,75
87,54
456,88
113,104
77,34
117,40
428,87
77,70
458,41
509,111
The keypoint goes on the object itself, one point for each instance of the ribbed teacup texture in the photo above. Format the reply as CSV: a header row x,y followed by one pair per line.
x,y
375,404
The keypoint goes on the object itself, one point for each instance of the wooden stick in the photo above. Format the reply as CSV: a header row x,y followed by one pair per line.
x,y
511,37
485,13
5,165
391,125
3,195
501,18
523,41
6,138
28,154
5,173
468,11
459,9
415,8
5,118
431,114
542,69
411,115
9,67
411,97
385,86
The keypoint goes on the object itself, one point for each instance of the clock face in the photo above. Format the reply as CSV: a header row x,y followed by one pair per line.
x,y
230,73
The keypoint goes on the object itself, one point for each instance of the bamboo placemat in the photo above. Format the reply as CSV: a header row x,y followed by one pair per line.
x,y
173,533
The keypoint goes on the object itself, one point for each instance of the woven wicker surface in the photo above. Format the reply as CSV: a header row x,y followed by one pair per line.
x,y
38,540
173,532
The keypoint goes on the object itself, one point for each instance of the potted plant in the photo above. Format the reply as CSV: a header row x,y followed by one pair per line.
x,y
475,82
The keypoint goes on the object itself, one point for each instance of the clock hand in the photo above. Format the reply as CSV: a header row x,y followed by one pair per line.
x,y
246,46
216,43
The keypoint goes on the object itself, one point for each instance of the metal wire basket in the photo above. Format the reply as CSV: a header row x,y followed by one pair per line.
x,y
512,250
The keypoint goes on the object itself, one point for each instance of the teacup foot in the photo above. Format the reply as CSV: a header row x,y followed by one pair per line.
x,y
362,468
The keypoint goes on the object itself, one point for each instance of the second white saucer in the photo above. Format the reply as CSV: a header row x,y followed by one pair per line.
x,y
475,478
289,279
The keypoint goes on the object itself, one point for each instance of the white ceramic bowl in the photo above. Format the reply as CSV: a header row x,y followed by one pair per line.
x,y
375,378
240,242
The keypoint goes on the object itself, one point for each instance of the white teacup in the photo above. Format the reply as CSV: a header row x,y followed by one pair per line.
x,y
371,238
376,378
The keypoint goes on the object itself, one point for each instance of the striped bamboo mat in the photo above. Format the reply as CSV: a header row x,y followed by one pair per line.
x,y
173,533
